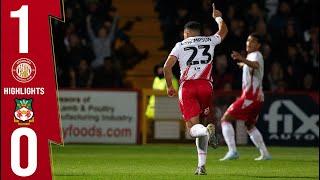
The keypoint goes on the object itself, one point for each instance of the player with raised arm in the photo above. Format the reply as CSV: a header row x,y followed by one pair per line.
x,y
248,106
195,55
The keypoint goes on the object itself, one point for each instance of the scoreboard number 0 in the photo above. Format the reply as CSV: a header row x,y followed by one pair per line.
x,y
15,151
22,14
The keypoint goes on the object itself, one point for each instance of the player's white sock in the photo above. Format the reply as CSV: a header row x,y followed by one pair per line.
x,y
198,130
228,134
202,146
257,140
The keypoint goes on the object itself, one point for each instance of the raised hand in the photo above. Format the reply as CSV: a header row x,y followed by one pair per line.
x,y
236,56
215,13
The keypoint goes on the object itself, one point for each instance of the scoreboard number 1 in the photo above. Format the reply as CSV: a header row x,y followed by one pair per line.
x,y
22,14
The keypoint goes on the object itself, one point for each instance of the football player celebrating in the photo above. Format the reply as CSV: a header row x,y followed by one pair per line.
x,y
248,106
195,54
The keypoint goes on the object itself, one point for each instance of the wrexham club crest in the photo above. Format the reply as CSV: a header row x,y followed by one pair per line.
x,y
23,114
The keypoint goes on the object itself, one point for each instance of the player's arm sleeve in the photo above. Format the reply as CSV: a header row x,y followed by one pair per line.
x,y
175,51
255,57
216,39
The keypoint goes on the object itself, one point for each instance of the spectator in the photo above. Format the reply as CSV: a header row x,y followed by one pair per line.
x,y
103,41
294,72
82,76
128,54
237,35
280,19
167,12
312,46
271,6
76,51
276,76
254,16
205,12
291,35
277,25
308,83
107,76
222,79
261,29
159,83
182,18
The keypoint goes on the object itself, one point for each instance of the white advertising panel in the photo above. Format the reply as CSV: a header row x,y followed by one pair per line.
x,y
99,116
167,129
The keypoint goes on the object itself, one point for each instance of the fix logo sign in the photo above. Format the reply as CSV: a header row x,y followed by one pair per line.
x,y
282,125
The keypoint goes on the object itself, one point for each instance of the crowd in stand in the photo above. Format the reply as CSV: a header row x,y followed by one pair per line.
x,y
91,50
290,30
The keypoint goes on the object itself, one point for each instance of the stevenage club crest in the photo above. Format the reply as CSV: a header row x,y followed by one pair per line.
x,y
23,70
23,114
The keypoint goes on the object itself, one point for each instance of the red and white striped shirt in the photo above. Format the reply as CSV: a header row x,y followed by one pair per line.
x,y
195,55
252,78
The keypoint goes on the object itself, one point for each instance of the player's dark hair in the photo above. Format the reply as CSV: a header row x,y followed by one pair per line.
x,y
258,37
193,25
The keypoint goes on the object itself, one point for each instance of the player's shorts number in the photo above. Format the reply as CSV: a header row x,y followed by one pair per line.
x,y
15,152
205,53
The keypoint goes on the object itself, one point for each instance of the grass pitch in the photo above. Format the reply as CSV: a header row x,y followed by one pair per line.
x,y
160,161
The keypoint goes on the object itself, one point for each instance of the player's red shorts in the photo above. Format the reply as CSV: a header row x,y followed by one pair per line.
x,y
245,110
195,98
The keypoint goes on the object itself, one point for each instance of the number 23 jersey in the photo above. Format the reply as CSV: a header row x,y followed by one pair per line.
x,y
195,55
